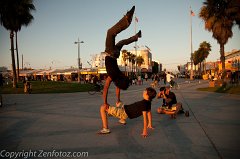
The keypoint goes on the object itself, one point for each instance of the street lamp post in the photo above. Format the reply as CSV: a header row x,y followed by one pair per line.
x,y
79,59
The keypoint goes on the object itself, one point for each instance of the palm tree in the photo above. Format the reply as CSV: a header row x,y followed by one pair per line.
x,y
25,18
205,49
139,61
195,58
132,60
14,14
219,17
201,54
124,58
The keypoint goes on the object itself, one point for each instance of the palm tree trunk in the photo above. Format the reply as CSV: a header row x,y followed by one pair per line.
x,y
13,60
17,58
222,57
204,66
125,69
132,68
200,68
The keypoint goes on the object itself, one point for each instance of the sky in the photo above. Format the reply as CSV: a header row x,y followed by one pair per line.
x,y
49,40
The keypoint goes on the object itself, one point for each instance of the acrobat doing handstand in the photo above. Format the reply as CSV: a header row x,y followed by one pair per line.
x,y
112,53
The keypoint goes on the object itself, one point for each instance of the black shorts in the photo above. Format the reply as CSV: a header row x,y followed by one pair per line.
x,y
119,79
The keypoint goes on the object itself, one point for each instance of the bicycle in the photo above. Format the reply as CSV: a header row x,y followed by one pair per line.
x,y
96,88
174,84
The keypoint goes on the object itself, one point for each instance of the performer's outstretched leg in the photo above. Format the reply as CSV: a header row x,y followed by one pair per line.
x,y
134,38
117,28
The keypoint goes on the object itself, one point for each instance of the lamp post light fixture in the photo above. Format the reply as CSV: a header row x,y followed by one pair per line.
x,y
79,58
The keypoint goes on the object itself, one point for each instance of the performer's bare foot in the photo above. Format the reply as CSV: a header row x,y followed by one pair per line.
x,y
139,34
129,14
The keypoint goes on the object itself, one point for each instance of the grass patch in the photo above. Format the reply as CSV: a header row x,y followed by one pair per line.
x,y
227,89
47,87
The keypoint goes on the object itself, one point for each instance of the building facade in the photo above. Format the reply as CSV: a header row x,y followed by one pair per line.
x,y
98,61
232,60
147,57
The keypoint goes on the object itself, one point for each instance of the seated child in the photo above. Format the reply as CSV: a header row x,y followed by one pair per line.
x,y
170,105
131,111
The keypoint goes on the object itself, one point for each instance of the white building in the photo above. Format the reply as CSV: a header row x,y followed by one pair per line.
x,y
146,55
98,60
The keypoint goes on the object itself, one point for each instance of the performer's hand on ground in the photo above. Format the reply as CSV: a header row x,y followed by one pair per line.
x,y
118,103
159,110
106,105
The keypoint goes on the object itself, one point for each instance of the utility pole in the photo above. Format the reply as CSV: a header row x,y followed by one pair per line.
x,y
191,58
79,58
22,61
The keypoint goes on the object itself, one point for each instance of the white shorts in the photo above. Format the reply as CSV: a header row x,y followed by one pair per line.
x,y
118,112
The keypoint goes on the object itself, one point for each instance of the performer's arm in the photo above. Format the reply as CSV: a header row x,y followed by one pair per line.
x,y
144,134
118,94
149,115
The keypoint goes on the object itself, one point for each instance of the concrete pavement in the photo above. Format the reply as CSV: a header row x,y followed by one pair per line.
x,y
69,122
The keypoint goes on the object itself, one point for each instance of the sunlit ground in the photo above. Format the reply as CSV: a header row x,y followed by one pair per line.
x,y
231,89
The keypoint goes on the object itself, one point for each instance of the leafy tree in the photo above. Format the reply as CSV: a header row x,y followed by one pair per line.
x,y
220,16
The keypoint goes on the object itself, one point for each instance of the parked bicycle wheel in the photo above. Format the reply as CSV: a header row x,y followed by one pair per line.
x,y
96,88
174,85
92,90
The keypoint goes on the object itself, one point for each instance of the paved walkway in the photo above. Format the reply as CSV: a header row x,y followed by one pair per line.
x,y
61,123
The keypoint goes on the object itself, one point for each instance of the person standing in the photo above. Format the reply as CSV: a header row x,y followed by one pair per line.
x,y
169,77
146,76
